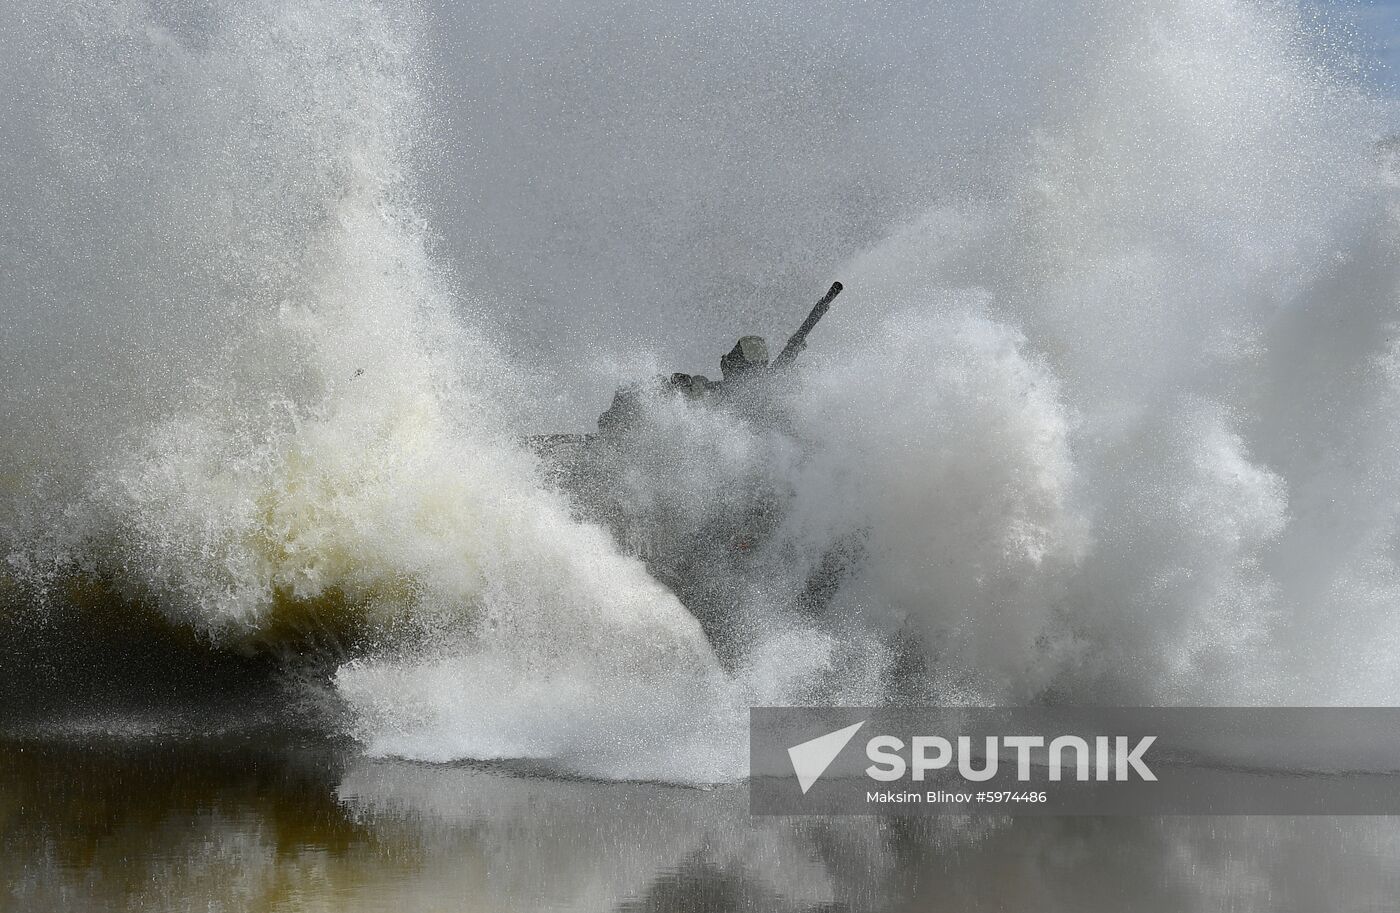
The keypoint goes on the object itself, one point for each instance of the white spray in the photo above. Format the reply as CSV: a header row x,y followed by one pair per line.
x,y
1113,419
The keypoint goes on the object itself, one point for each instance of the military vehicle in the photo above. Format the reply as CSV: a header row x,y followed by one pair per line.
x,y
630,478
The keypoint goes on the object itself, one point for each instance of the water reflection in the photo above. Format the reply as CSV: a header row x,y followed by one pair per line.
x,y
240,826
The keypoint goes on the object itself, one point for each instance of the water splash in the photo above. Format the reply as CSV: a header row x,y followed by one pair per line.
x,y
1107,413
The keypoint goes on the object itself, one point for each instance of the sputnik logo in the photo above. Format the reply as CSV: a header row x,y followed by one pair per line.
x,y
811,758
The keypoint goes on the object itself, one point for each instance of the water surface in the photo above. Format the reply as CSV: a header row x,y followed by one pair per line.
x,y
248,824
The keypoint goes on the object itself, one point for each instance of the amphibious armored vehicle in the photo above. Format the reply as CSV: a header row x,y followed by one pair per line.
x,y
699,531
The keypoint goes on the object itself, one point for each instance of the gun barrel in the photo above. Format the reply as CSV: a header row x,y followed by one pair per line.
x,y
798,341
